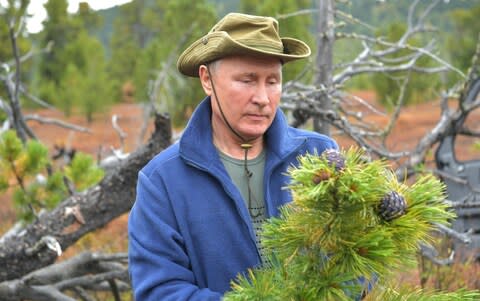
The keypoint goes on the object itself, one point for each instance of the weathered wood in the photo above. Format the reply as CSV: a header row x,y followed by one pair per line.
x,y
80,273
324,59
113,196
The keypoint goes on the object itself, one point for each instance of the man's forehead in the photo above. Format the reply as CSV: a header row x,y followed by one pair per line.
x,y
248,58
252,64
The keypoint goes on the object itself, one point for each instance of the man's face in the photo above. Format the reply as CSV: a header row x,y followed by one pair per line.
x,y
249,91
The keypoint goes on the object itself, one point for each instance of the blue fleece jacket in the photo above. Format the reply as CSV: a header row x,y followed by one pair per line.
x,y
190,233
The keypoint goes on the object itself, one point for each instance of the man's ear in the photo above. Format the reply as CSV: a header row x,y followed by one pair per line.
x,y
204,76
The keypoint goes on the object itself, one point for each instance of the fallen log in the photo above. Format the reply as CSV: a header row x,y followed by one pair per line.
x,y
39,244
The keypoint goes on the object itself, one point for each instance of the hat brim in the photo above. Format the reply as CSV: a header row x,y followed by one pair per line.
x,y
216,45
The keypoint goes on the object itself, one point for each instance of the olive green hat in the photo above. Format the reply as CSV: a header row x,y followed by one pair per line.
x,y
241,34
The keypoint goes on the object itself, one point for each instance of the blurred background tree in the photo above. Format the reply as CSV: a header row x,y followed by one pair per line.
x,y
461,41
13,12
73,75
121,51
177,95
300,26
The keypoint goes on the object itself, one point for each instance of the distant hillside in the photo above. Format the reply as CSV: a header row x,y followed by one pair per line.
x,y
379,13
110,14
227,6
376,13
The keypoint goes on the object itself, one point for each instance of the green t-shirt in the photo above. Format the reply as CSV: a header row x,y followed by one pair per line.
x,y
256,205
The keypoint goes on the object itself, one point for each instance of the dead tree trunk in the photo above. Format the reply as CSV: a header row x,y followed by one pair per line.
x,y
324,60
40,243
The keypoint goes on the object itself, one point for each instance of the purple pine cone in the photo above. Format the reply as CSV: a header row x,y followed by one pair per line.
x,y
334,158
392,206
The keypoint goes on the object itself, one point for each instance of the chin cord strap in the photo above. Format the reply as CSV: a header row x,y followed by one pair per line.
x,y
245,146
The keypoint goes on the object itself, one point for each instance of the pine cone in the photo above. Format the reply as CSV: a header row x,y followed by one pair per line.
x,y
320,176
392,206
334,158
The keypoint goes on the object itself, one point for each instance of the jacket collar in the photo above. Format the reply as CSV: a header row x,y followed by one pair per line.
x,y
196,143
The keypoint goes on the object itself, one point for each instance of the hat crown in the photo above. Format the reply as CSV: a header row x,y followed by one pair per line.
x,y
254,31
241,34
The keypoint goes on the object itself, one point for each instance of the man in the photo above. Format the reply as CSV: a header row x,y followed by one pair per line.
x,y
201,202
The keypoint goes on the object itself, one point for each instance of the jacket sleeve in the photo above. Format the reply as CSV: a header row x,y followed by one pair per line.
x,y
158,264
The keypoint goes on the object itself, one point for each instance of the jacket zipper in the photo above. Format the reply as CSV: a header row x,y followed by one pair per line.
x,y
248,223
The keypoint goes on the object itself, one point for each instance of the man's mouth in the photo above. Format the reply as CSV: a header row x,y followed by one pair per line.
x,y
257,116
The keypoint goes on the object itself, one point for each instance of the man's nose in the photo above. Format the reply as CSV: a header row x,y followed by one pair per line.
x,y
261,95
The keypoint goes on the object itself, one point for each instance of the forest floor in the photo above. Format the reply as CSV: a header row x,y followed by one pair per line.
x,y
414,122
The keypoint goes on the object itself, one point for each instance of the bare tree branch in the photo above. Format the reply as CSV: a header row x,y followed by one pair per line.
x,y
33,52
13,88
35,99
80,274
121,134
393,47
431,253
462,237
57,122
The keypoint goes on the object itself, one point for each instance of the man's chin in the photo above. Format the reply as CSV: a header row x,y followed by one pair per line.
x,y
252,135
